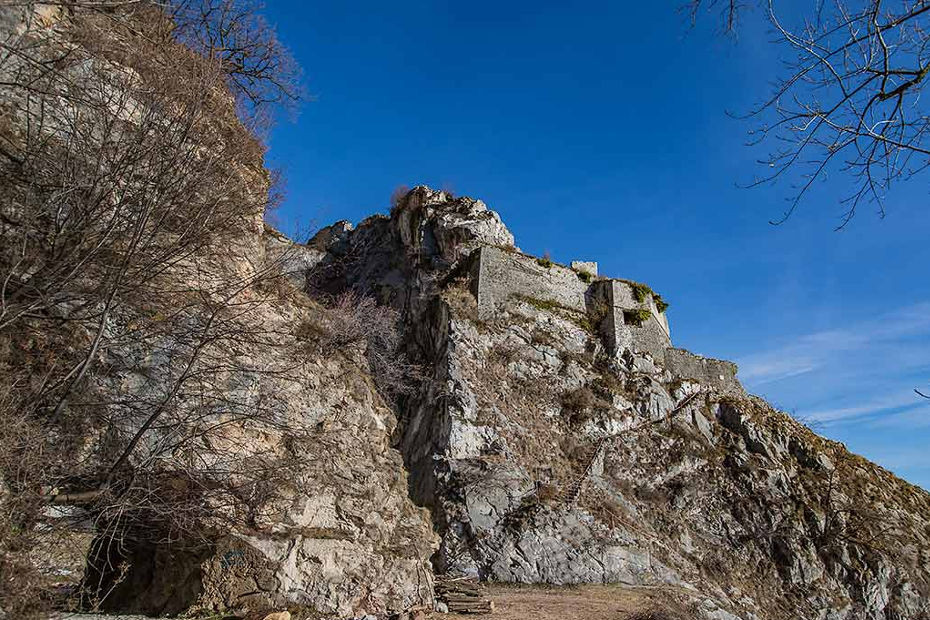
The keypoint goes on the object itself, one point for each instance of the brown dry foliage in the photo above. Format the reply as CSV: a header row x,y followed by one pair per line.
x,y
126,179
353,321
581,403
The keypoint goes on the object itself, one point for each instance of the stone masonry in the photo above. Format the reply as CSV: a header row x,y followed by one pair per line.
x,y
622,327
498,275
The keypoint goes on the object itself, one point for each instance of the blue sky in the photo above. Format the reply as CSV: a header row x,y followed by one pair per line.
x,y
600,132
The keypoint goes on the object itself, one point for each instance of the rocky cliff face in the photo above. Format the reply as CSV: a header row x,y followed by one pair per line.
x,y
174,386
545,457
315,513
166,391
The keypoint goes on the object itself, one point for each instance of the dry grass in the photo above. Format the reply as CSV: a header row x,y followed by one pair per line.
x,y
588,602
461,301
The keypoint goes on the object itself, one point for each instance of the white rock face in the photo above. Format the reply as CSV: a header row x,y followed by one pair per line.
x,y
681,481
341,534
455,225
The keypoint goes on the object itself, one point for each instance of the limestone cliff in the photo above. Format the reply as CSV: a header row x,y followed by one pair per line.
x,y
181,389
164,388
560,438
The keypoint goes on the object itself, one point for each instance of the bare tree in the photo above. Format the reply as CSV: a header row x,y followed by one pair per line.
x,y
259,70
352,320
128,194
728,12
849,101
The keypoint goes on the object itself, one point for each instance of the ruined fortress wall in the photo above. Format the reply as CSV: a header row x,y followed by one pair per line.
x,y
498,275
719,374
620,334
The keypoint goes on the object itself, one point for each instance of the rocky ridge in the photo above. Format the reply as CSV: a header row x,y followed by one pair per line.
x,y
238,453
546,458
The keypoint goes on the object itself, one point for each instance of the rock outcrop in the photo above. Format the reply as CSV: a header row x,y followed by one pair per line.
x,y
174,387
553,448
229,443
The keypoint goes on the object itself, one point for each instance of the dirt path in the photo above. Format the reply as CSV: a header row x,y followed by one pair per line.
x,y
576,603
514,602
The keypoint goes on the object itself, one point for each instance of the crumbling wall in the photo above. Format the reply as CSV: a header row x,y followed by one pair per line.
x,y
498,275
501,274
718,374
623,332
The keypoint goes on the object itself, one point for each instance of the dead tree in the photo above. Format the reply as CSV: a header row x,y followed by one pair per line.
x,y
849,99
128,191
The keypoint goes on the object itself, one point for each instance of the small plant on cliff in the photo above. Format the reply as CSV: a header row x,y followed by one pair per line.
x,y
584,276
636,317
352,320
597,310
580,404
461,301
546,305
545,261
641,292
398,195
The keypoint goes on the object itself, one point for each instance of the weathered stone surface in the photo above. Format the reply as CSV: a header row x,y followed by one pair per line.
x,y
437,225
342,535
501,275
719,375
625,332
588,267
683,479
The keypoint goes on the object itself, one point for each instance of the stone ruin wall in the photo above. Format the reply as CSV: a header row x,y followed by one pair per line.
x,y
498,275
718,374
620,334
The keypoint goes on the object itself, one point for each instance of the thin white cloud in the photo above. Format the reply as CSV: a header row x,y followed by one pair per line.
x,y
908,418
898,403
818,350
767,370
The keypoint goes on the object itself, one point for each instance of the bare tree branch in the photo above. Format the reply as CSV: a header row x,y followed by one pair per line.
x,y
849,102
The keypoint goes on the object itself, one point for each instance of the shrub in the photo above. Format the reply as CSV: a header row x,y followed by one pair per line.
x,y
546,305
597,311
608,384
545,261
398,195
642,291
579,399
581,403
584,276
636,317
353,320
461,301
